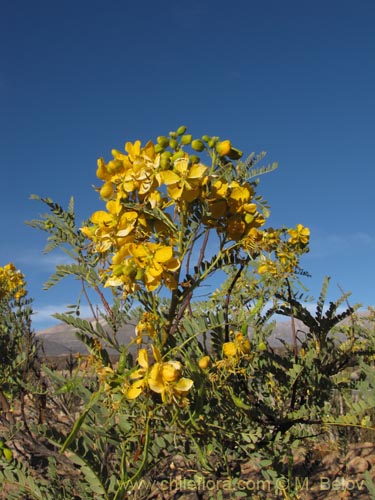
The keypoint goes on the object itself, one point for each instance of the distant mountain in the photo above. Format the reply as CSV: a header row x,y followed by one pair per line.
x,y
61,340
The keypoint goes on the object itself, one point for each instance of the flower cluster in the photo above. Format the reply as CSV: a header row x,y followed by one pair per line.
x,y
152,192
12,282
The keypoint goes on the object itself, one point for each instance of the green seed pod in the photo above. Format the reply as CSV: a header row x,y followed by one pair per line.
x,y
181,130
162,141
194,159
197,145
173,143
186,139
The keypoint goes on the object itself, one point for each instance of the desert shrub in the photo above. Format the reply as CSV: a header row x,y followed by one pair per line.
x,y
200,378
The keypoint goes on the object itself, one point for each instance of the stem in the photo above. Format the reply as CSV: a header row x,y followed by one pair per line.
x,y
190,291
293,322
145,453
227,298
6,408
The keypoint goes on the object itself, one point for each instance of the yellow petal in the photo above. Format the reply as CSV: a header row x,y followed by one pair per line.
x,y
135,389
229,349
197,171
133,149
175,191
156,354
181,165
220,188
170,371
138,251
113,281
168,177
138,374
183,386
154,271
163,254
101,217
155,380
143,358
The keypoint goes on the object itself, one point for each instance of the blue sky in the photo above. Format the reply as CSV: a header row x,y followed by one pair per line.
x,y
293,78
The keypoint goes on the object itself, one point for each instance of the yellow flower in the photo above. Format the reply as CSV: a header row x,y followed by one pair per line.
x,y
139,376
185,180
141,175
155,260
271,239
163,377
12,282
146,326
299,235
216,200
105,373
267,266
239,198
239,347
236,227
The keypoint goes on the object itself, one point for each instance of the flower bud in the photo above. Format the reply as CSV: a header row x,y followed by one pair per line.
x,y
176,156
181,130
114,166
106,190
204,362
223,147
194,159
206,138
8,454
173,143
197,145
162,141
262,346
186,139
165,160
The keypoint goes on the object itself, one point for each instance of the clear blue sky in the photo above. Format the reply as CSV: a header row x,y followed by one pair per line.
x,y
294,78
